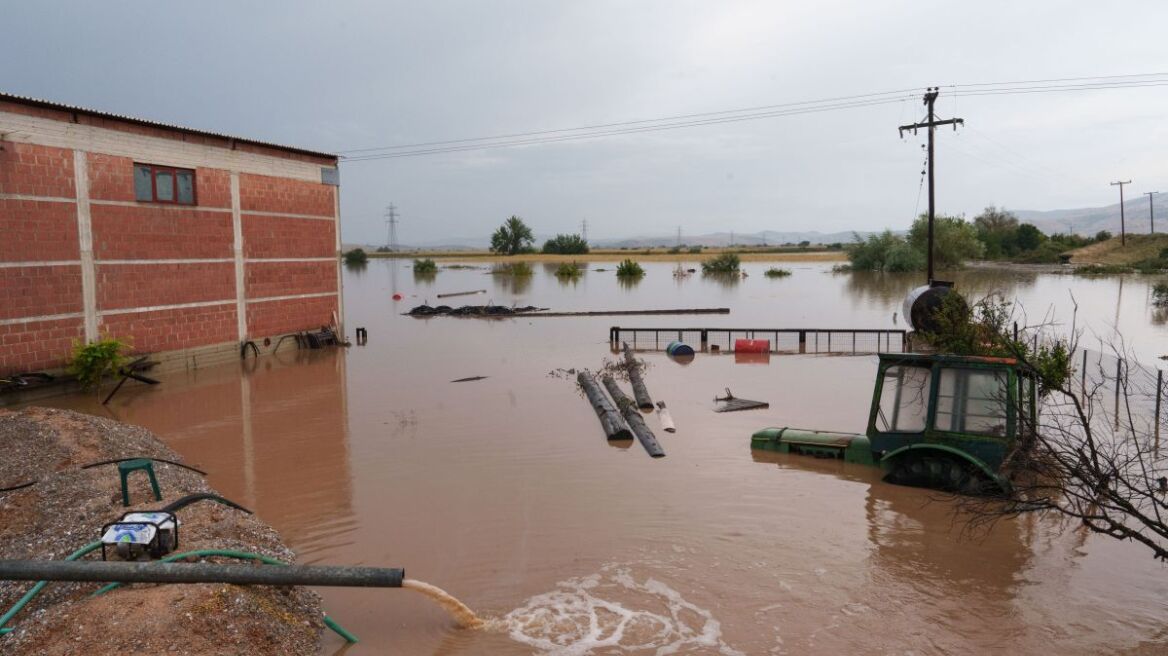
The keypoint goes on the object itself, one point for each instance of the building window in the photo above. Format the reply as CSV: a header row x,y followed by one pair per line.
x,y
164,184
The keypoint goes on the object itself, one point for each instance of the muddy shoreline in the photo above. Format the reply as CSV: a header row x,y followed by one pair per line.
x,y
65,510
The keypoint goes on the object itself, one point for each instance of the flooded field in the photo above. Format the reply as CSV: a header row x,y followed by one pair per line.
x,y
504,492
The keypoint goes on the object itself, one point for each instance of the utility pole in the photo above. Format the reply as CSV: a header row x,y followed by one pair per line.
x,y
391,220
931,123
1122,226
1151,212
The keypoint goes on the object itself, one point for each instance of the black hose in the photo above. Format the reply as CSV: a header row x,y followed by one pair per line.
x,y
281,341
178,504
169,462
243,349
17,487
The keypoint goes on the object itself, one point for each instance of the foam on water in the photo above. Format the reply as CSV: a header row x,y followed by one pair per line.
x,y
582,615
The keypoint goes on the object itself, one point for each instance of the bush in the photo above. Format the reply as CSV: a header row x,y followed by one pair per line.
x,y
512,238
566,245
675,250
1160,294
1102,269
512,269
775,272
724,263
629,269
356,256
426,266
568,270
94,361
694,250
1102,235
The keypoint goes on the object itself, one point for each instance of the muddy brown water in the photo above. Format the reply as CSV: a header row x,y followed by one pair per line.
x,y
505,493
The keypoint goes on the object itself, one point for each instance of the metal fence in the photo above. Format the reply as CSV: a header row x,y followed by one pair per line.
x,y
782,340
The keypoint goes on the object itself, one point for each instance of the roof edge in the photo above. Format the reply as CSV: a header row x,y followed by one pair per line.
x,y
48,104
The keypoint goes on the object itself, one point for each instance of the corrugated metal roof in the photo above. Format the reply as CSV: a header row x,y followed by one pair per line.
x,y
37,102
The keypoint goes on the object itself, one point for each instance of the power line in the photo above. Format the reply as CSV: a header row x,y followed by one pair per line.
x,y
748,114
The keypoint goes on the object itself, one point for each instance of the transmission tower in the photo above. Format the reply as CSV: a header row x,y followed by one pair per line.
x,y
584,230
391,221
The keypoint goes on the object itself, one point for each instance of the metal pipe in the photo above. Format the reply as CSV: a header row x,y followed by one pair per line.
x,y
146,572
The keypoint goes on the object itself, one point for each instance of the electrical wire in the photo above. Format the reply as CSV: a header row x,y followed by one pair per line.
x,y
1052,85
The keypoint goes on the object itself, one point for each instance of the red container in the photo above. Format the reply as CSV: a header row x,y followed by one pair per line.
x,y
752,346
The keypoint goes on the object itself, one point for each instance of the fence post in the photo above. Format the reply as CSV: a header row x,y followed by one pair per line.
x,y
1159,395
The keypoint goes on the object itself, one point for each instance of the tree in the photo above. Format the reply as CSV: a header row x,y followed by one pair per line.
x,y
954,240
512,237
997,230
1029,237
871,254
566,245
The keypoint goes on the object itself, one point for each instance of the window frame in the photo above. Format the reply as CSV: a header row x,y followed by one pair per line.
x,y
174,171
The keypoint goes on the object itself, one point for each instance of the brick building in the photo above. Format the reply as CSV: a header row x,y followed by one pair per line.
x,y
185,243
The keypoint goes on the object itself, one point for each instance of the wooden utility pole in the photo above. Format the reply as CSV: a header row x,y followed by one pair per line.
x,y
931,123
1122,226
1151,212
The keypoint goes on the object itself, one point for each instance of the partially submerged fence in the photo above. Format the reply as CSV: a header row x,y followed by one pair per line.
x,y
1126,394
783,340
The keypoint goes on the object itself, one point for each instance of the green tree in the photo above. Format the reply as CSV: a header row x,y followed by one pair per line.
x,y
1029,237
954,240
566,245
512,237
871,254
997,229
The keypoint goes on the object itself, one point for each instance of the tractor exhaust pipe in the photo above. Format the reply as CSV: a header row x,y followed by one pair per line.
x,y
154,572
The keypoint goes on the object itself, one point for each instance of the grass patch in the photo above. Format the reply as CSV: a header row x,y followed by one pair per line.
x,y
724,263
629,269
512,269
425,267
776,272
1102,269
568,270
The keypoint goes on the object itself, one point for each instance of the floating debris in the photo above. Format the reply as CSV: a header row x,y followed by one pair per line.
x,y
731,403
470,379
471,311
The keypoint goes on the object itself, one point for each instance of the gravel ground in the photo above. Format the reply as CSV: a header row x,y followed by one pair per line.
x,y
66,509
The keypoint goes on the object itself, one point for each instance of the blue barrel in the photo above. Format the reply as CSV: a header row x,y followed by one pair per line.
x,y
676,348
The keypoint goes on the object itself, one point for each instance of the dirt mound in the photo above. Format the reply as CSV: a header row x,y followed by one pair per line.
x,y
65,510
1112,251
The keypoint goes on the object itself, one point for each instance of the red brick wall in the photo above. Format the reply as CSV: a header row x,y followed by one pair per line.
x,y
261,193
274,236
153,233
212,187
38,345
122,286
110,177
279,317
39,290
40,230
36,170
168,330
263,279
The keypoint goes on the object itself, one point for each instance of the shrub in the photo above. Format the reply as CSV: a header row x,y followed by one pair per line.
x,y
94,361
356,256
426,266
724,263
1102,235
694,250
512,269
629,269
566,245
1160,294
775,272
1102,269
568,270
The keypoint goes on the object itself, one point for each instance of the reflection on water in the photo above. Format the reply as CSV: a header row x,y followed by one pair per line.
x,y
505,492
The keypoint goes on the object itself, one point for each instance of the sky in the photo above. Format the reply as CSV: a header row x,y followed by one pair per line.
x,y
343,76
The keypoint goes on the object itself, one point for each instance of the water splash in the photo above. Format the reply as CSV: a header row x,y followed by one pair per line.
x,y
465,617
581,616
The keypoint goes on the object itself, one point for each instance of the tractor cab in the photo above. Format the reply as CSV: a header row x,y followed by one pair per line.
x,y
939,421
947,421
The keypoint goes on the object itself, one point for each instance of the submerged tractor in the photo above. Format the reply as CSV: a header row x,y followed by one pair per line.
x,y
940,421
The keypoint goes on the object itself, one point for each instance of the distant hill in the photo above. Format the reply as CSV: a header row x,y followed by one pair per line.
x,y
1090,220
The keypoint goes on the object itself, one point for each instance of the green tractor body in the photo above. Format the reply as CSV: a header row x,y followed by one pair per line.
x,y
939,421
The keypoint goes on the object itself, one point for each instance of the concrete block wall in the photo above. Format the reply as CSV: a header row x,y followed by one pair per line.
x,y
80,258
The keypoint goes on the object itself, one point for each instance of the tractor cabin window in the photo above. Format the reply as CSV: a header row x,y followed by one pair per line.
x,y
904,399
972,401
164,184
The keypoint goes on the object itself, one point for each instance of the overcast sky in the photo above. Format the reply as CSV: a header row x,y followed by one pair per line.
x,y
337,76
